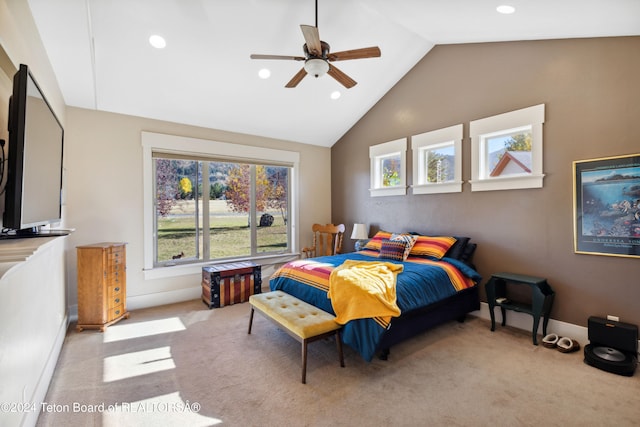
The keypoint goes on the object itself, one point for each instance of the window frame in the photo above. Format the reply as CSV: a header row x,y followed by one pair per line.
x,y
483,129
215,150
428,141
377,153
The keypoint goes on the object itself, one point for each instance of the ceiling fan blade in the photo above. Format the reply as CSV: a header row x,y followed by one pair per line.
x,y
312,38
295,58
341,77
365,52
296,79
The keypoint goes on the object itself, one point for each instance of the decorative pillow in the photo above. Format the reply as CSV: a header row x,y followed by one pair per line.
x,y
457,250
409,239
392,249
467,256
434,247
376,241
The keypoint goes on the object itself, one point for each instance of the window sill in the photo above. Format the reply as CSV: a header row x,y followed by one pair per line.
x,y
510,183
389,191
196,268
435,188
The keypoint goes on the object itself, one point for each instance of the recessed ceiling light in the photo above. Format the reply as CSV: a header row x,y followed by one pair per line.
x,y
335,95
506,9
264,73
157,41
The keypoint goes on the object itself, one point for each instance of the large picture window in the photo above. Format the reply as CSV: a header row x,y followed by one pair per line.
x,y
208,207
204,209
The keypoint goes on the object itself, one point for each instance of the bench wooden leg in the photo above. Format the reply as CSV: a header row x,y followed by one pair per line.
x,y
304,361
339,345
250,321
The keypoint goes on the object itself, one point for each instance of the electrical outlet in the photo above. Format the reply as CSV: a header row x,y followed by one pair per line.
x,y
613,318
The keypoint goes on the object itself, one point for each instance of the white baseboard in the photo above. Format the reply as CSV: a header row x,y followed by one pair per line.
x,y
525,322
180,295
151,300
163,298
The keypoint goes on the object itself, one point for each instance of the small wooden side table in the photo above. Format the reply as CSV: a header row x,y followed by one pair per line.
x,y
542,296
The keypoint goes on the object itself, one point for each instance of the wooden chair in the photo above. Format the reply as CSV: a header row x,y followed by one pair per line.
x,y
327,240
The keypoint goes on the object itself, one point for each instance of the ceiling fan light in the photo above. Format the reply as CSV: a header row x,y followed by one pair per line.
x,y
316,67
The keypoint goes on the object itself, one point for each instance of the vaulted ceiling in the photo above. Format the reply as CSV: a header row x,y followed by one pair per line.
x,y
103,60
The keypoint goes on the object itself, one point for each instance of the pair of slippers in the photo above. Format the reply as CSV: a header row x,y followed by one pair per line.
x,y
563,345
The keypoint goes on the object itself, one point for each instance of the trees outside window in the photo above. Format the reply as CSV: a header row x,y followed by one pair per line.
x,y
192,225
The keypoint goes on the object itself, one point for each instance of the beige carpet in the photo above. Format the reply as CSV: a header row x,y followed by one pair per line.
x,y
185,365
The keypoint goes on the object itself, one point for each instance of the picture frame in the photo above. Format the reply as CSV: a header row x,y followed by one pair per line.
x,y
606,201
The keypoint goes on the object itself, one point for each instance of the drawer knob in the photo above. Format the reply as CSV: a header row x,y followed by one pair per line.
x,y
117,300
116,289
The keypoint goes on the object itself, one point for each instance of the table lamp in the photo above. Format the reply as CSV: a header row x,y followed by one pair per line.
x,y
361,234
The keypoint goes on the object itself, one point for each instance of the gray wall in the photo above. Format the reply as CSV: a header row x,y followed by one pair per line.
x,y
591,90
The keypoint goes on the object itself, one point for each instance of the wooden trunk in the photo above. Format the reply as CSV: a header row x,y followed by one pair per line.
x,y
227,284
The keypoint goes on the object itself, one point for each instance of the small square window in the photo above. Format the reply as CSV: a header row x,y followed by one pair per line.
x,y
507,150
388,168
437,161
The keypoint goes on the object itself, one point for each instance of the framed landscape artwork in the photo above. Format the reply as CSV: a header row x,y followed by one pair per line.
x,y
607,206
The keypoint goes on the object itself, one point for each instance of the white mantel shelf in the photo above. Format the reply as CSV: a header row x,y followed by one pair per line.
x,y
16,251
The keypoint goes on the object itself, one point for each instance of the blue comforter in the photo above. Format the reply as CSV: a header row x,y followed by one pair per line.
x,y
421,283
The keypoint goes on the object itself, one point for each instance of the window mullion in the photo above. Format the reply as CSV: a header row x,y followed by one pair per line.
x,y
206,228
197,212
253,211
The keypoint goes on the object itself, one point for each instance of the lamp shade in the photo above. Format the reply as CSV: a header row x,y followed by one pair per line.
x,y
360,232
316,67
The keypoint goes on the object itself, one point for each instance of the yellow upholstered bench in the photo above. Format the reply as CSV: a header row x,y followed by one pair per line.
x,y
302,321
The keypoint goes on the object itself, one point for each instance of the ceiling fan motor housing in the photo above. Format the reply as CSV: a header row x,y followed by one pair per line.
x,y
323,55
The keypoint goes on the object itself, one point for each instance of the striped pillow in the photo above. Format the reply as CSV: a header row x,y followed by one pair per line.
x,y
434,247
376,241
409,239
392,249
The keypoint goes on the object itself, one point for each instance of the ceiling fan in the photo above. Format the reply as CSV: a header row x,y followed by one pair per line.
x,y
317,57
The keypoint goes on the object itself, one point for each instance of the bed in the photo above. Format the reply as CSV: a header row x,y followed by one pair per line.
x,y
438,283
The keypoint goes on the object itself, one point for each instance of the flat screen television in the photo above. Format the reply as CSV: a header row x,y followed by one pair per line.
x,y
33,192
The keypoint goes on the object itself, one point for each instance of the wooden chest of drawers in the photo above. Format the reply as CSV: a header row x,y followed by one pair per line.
x,y
102,285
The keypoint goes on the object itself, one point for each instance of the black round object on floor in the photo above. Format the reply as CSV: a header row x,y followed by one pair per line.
x,y
610,360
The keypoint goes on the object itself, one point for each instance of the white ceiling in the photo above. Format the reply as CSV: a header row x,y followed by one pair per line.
x,y
204,77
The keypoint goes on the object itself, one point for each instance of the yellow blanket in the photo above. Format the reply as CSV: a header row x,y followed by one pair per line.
x,y
364,289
